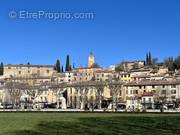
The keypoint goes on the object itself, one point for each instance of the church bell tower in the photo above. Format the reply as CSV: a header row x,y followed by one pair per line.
x,y
91,60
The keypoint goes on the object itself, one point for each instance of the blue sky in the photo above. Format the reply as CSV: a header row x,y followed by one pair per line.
x,y
120,30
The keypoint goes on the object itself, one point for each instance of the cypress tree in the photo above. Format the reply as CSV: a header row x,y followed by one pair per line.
x,y
73,66
62,69
1,68
147,59
67,63
150,59
58,66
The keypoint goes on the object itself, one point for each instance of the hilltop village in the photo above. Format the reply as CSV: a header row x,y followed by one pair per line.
x,y
130,85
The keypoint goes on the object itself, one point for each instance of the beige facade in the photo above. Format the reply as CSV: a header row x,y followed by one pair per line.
x,y
90,86
128,65
11,71
165,90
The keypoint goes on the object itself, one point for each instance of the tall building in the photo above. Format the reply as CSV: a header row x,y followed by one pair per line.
x,y
91,60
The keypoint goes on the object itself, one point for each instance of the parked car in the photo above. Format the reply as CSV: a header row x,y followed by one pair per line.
x,y
120,107
1,106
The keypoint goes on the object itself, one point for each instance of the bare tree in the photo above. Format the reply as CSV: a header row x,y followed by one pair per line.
x,y
34,92
99,97
114,85
14,89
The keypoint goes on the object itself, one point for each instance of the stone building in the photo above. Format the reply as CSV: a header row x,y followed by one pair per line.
x,y
28,70
137,86
129,65
162,90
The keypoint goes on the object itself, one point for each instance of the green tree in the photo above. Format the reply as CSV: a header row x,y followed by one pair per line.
x,y
150,59
62,69
177,62
119,67
147,58
58,66
1,68
169,62
74,66
68,63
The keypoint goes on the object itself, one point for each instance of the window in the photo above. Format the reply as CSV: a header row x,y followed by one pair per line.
x,y
163,86
153,91
153,86
126,91
144,100
2,83
163,92
19,72
129,75
120,93
149,100
173,91
71,90
136,91
111,93
173,86
47,71
139,87
9,67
